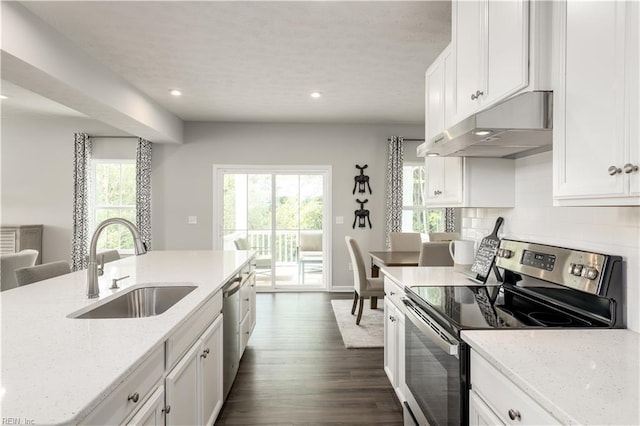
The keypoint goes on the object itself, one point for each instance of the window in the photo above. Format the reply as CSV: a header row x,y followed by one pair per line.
x,y
415,216
113,195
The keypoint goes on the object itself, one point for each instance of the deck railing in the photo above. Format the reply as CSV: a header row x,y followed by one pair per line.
x,y
285,244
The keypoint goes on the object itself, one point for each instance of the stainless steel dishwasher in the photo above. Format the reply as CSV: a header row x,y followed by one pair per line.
x,y
231,331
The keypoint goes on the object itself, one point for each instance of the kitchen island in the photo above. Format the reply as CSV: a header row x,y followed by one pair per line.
x,y
57,369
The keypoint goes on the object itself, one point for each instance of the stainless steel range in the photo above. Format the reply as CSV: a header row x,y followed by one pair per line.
x,y
542,286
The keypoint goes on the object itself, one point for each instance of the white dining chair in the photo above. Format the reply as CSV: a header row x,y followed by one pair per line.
x,y
404,241
364,287
435,253
10,262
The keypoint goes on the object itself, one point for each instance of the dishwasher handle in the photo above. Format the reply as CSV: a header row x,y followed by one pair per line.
x,y
232,287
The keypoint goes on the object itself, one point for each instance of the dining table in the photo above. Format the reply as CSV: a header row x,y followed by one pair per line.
x,y
392,258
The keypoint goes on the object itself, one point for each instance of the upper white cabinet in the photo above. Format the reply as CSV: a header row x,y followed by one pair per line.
x,y
491,50
596,141
469,182
439,94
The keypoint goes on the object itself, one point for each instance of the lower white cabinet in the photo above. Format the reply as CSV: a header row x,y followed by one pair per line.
x,y
194,386
152,412
394,337
479,412
494,399
247,310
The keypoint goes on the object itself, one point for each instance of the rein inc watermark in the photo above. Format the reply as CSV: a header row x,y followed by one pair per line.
x,y
17,421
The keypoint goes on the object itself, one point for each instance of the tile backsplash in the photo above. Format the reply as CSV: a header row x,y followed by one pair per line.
x,y
608,230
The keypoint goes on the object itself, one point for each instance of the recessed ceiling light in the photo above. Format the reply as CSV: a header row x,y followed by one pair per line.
x,y
4,97
316,95
433,154
482,132
175,92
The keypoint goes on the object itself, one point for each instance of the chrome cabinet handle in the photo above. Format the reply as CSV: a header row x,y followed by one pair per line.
x,y
628,168
476,95
204,353
392,318
437,192
134,397
166,409
613,170
392,293
514,414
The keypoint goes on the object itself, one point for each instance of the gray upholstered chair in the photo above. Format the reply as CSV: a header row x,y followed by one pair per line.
x,y
309,251
365,287
435,253
405,241
263,261
42,272
10,262
444,236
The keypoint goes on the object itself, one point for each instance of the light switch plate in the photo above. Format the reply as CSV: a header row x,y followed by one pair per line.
x,y
339,220
192,220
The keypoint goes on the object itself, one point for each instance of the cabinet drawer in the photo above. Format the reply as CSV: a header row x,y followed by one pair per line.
x,y
502,395
120,403
184,336
393,292
245,299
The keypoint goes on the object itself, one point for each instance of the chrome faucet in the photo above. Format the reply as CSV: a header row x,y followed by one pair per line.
x,y
94,269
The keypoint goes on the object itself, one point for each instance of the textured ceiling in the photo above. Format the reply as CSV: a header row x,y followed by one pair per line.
x,y
259,61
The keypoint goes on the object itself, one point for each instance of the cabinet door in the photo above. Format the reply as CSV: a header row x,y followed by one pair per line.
x,y
479,413
152,412
507,60
444,180
401,381
434,105
589,111
468,43
211,374
633,101
390,342
181,387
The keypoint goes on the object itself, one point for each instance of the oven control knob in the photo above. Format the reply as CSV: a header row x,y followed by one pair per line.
x,y
576,269
590,273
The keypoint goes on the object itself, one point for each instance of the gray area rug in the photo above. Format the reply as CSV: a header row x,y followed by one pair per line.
x,y
370,332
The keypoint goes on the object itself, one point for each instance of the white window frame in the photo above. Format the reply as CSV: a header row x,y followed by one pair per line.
x,y
93,206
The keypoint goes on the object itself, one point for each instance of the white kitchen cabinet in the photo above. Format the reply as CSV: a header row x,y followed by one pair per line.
x,y
494,399
131,394
390,342
596,150
211,372
394,337
247,309
152,412
439,92
194,386
469,182
479,412
491,50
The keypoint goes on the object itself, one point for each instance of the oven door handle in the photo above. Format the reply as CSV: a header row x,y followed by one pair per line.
x,y
432,331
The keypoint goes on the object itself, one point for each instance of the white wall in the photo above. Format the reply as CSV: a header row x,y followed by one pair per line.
x,y
182,176
608,230
36,175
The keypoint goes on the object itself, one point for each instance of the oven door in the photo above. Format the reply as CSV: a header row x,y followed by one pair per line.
x,y
434,374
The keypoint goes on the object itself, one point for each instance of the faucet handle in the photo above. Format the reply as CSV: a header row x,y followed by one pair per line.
x,y
114,282
100,264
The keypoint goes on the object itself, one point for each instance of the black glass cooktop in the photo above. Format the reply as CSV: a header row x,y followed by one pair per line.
x,y
486,307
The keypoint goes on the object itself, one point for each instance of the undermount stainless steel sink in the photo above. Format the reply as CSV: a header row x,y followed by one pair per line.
x,y
140,302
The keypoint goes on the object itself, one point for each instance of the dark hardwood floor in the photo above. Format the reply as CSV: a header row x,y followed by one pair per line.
x,y
296,370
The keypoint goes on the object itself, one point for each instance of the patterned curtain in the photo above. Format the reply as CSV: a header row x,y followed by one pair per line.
x,y
143,190
449,220
81,177
394,187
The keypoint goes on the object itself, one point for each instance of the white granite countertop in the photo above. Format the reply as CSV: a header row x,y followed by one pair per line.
x,y
587,377
432,276
55,369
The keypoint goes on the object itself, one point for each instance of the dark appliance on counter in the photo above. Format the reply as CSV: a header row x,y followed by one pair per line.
x,y
543,286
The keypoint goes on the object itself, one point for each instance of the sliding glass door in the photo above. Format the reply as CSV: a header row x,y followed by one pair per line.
x,y
281,213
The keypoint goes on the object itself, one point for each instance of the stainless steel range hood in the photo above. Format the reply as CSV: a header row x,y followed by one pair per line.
x,y
517,127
